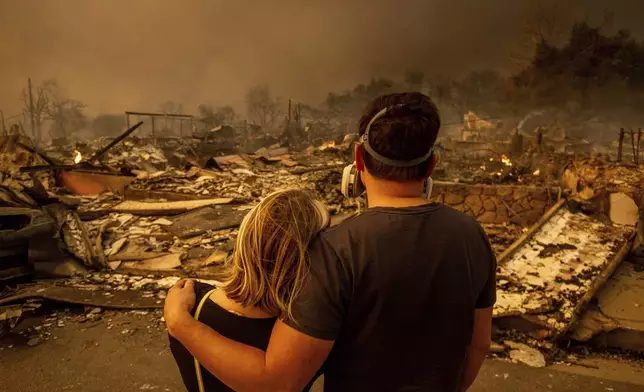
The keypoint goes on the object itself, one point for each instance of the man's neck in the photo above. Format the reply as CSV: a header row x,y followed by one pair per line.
x,y
376,200
383,193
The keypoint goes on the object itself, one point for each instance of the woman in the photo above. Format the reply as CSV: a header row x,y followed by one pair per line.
x,y
261,279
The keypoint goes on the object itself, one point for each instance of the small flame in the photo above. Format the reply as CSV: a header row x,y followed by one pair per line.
x,y
77,156
536,172
491,159
328,144
483,167
506,161
499,174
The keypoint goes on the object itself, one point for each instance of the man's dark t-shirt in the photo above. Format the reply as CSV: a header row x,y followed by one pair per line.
x,y
397,288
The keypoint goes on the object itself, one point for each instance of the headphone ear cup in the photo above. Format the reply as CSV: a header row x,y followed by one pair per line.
x,y
428,185
351,184
347,186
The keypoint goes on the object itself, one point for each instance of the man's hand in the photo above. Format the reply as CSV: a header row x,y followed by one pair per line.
x,y
179,303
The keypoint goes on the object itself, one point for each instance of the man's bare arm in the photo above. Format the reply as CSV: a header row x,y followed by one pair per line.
x,y
290,362
481,340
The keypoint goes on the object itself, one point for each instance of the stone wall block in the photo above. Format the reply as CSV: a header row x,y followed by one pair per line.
x,y
476,190
474,203
538,205
541,195
488,217
530,217
459,207
453,199
489,205
508,198
525,203
502,215
517,207
489,190
504,190
520,194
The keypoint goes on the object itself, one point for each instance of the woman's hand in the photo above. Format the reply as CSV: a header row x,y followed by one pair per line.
x,y
179,303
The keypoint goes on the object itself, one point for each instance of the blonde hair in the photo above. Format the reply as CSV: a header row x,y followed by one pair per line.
x,y
269,265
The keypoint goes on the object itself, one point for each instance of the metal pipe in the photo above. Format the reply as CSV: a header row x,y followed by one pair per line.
x,y
114,142
159,114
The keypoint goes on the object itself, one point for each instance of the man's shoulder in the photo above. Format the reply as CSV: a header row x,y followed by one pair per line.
x,y
373,220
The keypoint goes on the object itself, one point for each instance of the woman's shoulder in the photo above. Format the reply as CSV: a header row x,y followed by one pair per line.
x,y
201,289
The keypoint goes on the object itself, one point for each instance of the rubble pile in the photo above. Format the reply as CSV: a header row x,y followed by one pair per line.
x,y
139,242
180,215
587,177
547,277
129,154
250,184
501,236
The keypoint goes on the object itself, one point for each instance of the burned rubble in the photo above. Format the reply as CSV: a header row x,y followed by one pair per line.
x,y
128,225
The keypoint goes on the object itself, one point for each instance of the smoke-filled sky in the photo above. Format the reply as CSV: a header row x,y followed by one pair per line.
x,y
122,55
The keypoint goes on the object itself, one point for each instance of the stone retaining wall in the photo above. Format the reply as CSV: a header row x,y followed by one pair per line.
x,y
496,203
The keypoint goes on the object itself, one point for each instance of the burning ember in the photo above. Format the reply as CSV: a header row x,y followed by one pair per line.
x,y
325,145
506,161
536,172
77,156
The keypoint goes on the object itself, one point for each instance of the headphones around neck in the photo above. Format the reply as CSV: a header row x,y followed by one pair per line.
x,y
352,185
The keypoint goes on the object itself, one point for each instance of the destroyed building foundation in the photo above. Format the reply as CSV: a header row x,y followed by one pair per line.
x,y
557,243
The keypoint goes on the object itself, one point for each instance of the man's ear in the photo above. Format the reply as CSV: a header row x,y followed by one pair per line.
x,y
432,164
357,151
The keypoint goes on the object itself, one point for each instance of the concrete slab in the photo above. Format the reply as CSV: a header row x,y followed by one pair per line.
x,y
622,300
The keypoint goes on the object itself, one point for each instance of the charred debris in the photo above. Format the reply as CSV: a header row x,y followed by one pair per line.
x,y
113,223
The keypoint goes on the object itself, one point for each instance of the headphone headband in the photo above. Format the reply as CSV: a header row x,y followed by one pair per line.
x,y
388,161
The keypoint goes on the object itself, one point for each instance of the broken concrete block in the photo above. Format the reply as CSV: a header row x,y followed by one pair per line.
x,y
623,209
527,355
162,263
162,222
217,257
592,323
114,264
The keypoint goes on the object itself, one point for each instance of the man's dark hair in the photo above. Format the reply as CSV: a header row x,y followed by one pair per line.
x,y
404,133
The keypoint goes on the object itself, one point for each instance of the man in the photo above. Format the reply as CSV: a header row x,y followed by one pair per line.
x,y
399,298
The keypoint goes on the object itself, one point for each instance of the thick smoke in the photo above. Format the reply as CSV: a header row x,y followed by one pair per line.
x,y
120,54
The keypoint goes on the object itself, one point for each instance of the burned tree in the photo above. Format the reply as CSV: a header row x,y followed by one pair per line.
x,y
65,113
36,106
213,117
262,108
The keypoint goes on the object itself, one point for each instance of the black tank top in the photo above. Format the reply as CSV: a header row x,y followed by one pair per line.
x,y
250,331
